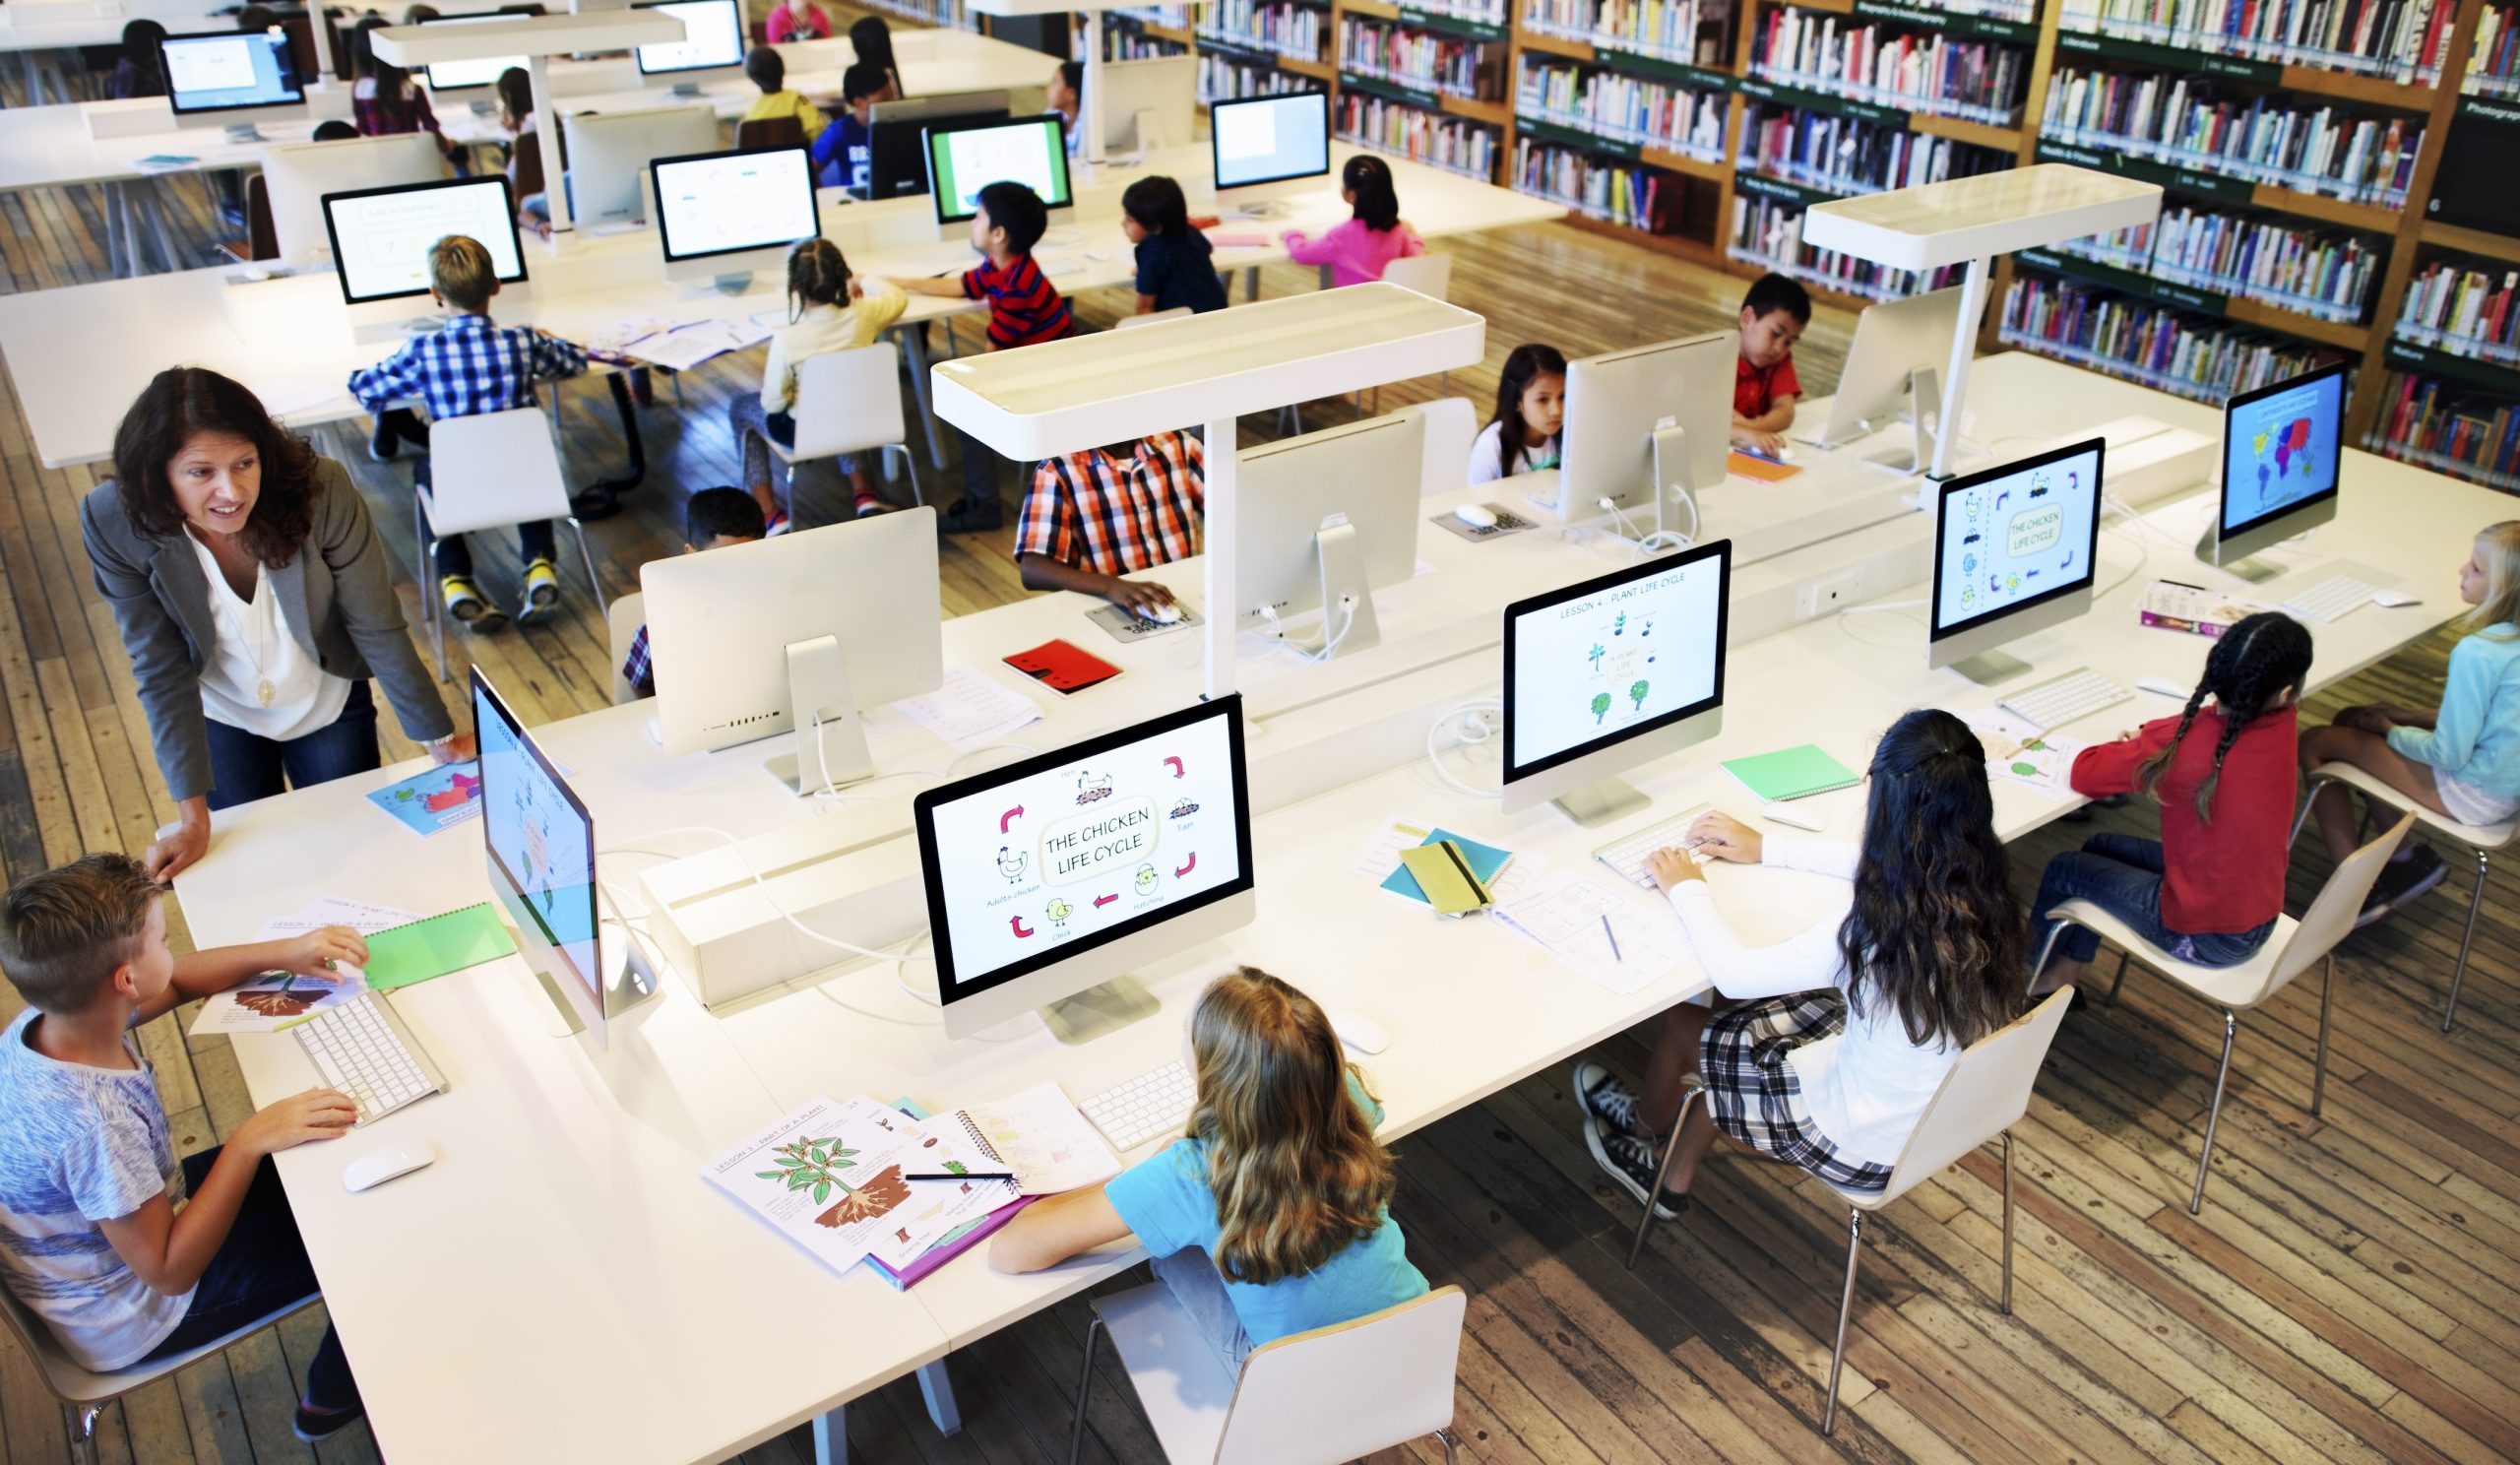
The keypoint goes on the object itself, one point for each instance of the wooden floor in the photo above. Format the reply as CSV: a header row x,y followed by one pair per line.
x,y
2350,1294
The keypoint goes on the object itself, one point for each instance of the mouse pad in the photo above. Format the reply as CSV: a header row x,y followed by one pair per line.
x,y
1507,523
1124,628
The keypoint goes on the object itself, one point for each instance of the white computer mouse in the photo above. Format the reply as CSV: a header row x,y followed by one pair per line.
x,y
1795,816
656,732
2391,600
376,1167
1358,1031
1161,616
2163,686
1784,455
1477,516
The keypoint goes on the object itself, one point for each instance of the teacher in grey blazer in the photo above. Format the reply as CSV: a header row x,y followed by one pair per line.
x,y
255,603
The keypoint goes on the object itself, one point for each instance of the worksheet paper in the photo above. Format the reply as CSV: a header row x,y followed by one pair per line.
x,y
969,711
830,1177
1564,911
681,348
264,1002
2020,753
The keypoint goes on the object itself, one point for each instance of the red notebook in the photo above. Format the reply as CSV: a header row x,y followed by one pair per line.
x,y
1062,666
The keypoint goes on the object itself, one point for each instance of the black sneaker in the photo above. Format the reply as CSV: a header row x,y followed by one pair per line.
x,y
971,516
2402,882
1606,1099
314,1425
1631,1162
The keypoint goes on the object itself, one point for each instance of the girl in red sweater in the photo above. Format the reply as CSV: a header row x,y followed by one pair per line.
x,y
2226,775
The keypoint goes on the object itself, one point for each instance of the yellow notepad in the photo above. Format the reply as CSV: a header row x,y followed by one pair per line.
x,y
1442,871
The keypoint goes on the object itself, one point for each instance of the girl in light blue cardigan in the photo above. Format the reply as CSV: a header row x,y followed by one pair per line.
x,y
2460,759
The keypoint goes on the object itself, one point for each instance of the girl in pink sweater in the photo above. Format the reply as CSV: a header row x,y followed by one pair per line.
x,y
1357,251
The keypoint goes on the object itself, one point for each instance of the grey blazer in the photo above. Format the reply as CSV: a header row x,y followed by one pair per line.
x,y
339,585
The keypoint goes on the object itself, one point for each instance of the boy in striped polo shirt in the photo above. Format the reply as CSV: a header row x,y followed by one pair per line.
x,y
1024,309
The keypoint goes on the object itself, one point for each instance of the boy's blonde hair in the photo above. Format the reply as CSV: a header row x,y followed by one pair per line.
x,y
2498,614
64,933
460,271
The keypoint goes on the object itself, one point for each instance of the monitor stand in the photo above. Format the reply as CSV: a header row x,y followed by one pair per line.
x,y
818,692
732,282
1672,476
1340,554
1606,802
2249,567
1990,668
628,978
684,90
1098,1010
244,132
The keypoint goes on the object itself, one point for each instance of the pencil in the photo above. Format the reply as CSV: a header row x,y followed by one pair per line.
x,y
1613,935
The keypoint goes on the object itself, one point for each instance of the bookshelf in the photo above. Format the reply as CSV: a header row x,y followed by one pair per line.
x,y
1704,128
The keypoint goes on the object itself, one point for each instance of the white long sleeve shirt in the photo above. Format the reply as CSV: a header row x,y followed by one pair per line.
x,y
1864,1088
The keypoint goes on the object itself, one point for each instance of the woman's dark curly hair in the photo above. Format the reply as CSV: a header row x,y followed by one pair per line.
x,y
182,401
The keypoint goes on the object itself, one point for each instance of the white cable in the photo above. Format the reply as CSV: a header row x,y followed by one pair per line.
x,y
1647,542
1329,648
1435,754
1879,605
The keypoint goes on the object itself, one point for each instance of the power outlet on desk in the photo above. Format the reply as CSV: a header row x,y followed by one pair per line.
x,y
1830,596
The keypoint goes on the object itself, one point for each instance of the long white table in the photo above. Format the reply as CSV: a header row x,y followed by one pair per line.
x,y
578,1165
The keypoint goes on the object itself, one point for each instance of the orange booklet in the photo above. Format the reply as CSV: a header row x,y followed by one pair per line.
x,y
1748,466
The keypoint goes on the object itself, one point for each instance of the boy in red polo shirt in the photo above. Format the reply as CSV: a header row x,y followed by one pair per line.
x,y
1774,316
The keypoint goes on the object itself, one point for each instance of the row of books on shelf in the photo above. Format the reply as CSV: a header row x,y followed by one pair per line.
x,y
1623,108
1230,79
2191,356
2180,120
2404,40
1768,232
2450,428
1425,59
1945,76
1622,193
948,14
1278,25
2465,307
2494,66
1684,30
1170,17
2314,270
1454,144
1851,155
1484,12
1120,43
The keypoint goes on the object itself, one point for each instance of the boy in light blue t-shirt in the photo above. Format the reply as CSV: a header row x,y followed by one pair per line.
x,y
1272,1084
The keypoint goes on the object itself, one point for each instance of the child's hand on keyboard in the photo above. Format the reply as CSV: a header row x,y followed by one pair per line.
x,y
318,952
1672,867
1719,836
317,1113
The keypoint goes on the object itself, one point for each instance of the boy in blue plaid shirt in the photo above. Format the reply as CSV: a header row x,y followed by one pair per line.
x,y
466,366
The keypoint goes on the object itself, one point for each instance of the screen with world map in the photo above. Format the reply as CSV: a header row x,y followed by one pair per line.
x,y
2280,447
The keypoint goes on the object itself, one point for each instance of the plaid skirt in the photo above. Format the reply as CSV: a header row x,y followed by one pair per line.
x,y
1752,1096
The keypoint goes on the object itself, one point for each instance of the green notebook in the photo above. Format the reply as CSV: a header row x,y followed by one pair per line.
x,y
402,955
1790,773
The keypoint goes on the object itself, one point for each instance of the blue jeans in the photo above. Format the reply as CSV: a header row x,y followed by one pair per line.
x,y
260,1269
246,766
2123,875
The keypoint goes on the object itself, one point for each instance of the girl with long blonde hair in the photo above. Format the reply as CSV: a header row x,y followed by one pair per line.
x,y
2460,759
1271,1216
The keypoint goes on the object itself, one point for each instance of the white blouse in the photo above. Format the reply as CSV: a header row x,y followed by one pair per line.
x,y
257,653
1487,456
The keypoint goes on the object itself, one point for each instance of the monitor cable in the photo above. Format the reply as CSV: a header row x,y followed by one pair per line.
x,y
1474,730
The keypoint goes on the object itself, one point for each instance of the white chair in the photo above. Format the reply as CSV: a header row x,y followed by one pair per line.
x,y
84,1393
491,471
1332,1395
1429,275
850,401
1452,426
621,621
2289,951
1981,1098
2479,840
1177,312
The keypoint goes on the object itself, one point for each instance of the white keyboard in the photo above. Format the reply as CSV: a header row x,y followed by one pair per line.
x,y
1145,1108
1626,855
362,1048
2077,693
2332,598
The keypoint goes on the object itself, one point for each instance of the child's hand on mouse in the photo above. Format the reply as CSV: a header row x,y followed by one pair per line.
x,y
1671,868
1752,440
1719,836
1138,597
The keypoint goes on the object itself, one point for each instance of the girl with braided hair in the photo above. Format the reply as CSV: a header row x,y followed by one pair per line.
x,y
2224,773
828,310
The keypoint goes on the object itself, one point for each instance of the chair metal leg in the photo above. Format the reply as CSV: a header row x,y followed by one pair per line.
x,y
2309,796
1846,1305
1446,1435
595,581
2047,948
1084,1387
2318,1068
917,491
1694,1089
2007,1303
2467,938
82,1420
2121,978
431,614
2213,1116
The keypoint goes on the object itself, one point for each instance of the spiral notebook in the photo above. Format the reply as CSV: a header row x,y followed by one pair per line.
x,y
1043,1138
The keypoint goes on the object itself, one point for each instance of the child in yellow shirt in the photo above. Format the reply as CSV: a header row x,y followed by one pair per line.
x,y
769,73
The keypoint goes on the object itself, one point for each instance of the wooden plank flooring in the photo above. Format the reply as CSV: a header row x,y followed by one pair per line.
x,y
2350,1294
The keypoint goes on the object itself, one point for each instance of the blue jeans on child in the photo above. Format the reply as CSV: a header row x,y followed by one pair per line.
x,y
2123,875
246,766
1192,1276
259,1269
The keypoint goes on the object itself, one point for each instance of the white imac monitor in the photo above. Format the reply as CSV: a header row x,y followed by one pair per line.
x,y
2014,551
458,76
381,239
1149,103
2280,462
1264,148
1047,880
298,176
723,216
966,156
711,47
796,632
1609,674
1896,360
1653,415
609,153
232,79
1322,521
540,844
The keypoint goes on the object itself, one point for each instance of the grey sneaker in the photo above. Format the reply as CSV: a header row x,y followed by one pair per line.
x,y
1606,1099
1631,1162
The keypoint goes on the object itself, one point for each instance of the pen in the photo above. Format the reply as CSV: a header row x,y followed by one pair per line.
x,y
1613,935
978,1175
